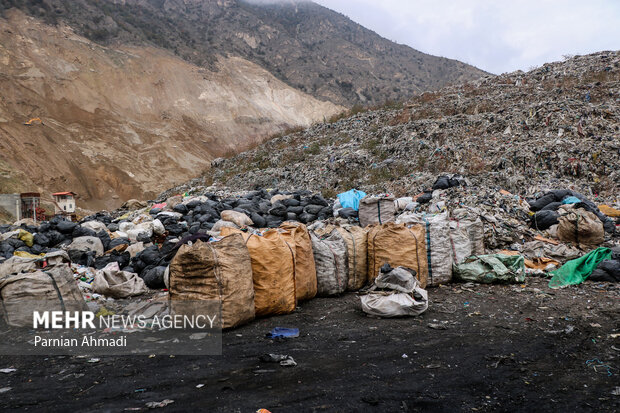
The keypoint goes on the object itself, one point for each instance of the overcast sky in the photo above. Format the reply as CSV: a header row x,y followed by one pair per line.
x,y
495,35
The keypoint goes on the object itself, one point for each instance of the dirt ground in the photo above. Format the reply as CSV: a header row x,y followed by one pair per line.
x,y
477,348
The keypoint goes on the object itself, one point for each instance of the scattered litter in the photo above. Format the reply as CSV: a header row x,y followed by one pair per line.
x,y
6,371
155,405
283,332
284,360
600,366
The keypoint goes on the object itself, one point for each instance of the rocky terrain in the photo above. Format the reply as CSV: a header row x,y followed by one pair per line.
x,y
553,127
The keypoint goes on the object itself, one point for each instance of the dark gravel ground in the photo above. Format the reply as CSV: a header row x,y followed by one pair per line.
x,y
492,348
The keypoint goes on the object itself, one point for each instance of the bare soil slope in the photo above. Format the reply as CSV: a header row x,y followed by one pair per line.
x,y
126,121
307,46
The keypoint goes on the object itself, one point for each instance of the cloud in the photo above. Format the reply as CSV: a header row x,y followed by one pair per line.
x,y
497,36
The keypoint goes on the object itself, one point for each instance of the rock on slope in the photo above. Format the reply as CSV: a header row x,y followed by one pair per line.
x,y
555,126
126,121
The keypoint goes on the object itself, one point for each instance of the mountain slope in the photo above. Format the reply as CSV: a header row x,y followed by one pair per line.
x,y
124,122
553,127
305,45
137,95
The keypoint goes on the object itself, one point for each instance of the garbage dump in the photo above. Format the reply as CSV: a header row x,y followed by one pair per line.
x,y
430,200
460,232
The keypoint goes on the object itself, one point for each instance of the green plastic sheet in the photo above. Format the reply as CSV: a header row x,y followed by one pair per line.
x,y
576,271
493,268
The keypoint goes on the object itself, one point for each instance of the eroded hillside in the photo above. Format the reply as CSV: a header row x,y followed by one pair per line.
x,y
307,46
124,122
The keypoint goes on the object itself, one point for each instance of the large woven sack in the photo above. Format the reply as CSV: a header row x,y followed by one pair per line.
x,y
219,270
273,272
467,237
49,289
397,245
297,234
581,227
438,246
330,255
376,210
357,252
112,282
15,264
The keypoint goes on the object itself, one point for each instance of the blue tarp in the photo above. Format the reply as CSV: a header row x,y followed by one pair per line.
x,y
351,199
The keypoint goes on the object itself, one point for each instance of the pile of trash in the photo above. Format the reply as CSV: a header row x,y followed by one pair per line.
x,y
555,126
142,239
262,252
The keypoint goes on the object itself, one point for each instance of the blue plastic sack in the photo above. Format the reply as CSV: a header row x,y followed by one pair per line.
x,y
571,200
351,199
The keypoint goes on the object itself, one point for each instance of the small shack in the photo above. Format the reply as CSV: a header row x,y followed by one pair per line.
x,y
64,202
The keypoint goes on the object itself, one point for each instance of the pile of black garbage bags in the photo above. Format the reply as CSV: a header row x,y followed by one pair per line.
x,y
546,207
442,182
190,220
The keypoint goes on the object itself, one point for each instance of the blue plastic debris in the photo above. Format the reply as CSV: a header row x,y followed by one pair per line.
x,y
571,200
283,332
351,199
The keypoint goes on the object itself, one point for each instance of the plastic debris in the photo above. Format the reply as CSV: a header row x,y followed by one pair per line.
x,y
283,332
282,359
155,405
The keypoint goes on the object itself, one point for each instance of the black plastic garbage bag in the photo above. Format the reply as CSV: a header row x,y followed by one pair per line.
x,y
544,219
348,213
